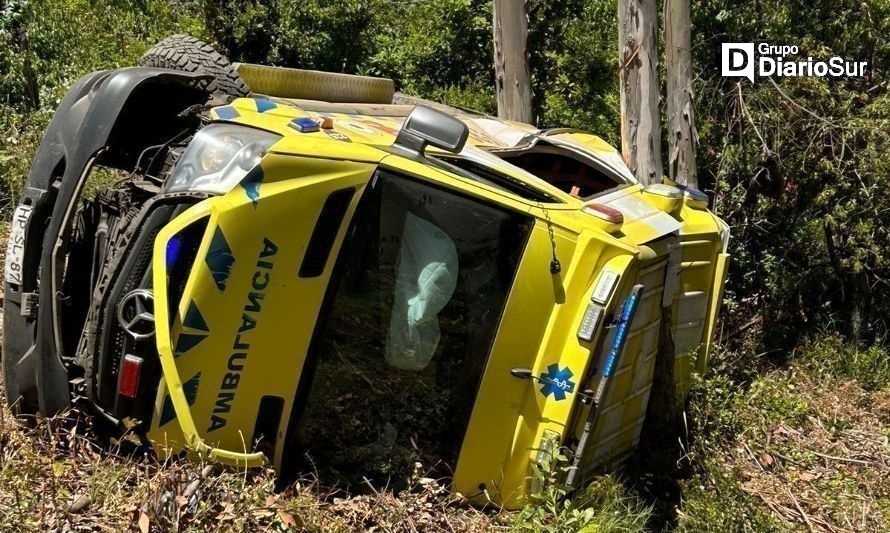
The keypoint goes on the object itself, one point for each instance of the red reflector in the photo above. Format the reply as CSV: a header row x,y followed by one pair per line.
x,y
605,212
128,384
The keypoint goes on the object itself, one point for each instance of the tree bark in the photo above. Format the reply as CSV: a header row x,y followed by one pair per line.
x,y
512,79
640,117
682,137
21,45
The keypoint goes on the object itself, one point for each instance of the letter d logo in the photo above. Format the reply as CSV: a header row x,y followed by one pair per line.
x,y
737,60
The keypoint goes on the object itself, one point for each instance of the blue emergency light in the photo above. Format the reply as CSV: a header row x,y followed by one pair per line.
x,y
304,125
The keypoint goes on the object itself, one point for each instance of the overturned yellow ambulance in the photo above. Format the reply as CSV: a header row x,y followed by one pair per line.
x,y
342,281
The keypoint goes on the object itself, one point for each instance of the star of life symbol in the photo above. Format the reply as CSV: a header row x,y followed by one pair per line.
x,y
135,314
557,382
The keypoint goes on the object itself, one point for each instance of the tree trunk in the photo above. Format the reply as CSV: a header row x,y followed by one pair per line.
x,y
640,117
22,46
682,137
512,80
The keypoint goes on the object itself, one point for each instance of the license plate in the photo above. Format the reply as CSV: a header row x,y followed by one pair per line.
x,y
15,247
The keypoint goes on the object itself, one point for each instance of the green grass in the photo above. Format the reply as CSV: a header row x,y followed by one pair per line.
x,y
829,356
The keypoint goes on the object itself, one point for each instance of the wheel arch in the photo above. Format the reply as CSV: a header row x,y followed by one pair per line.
x,y
107,117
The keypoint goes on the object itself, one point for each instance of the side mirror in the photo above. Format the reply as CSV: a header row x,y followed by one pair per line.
x,y
427,126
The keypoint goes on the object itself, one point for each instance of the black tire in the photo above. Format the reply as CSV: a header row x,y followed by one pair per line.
x,y
182,52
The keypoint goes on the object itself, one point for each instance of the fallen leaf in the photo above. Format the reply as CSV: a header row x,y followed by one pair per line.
x,y
78,503
289,520
144,522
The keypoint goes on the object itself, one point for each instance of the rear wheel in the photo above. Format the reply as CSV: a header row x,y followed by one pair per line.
x,y
182,52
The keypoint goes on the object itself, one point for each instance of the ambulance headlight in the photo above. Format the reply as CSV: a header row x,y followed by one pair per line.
x,y
218,157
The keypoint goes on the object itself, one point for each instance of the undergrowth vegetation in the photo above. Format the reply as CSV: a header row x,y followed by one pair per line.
x,y
802,444
790,429
53,477
792,446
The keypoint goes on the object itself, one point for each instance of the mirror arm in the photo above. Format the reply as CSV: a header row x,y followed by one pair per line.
x,y
412,142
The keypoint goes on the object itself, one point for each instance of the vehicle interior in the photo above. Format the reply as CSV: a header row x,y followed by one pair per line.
x,y
570,172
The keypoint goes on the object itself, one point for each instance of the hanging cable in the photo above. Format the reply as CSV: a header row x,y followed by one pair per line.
x,y
555,266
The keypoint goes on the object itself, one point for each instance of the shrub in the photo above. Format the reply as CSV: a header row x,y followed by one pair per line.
x,y
603,505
